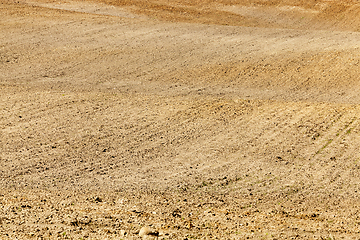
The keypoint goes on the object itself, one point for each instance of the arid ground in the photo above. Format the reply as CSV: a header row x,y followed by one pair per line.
x,y
223,119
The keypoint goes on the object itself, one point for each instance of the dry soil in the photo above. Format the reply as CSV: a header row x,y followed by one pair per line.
x,y
224,119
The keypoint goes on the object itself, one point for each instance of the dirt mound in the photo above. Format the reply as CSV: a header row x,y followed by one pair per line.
x,y
326,15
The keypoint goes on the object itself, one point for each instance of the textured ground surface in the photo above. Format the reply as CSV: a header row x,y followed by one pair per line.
x,y
226,119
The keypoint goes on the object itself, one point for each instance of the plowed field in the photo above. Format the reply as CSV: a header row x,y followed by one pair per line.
x,y
224,119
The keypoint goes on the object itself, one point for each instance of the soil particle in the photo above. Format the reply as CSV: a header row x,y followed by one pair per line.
x,y
145,231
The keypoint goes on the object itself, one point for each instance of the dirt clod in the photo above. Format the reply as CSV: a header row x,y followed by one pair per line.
x,y
145,231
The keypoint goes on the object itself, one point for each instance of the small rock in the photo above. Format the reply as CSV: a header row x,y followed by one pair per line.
x,y
145,231
123,233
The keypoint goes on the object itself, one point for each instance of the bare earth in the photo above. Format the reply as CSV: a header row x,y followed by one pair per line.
x,y
225,119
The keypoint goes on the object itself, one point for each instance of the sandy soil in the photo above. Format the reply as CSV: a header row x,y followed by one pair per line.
x,y
226,119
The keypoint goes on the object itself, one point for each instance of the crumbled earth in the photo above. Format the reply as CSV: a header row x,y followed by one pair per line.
x,y
226,119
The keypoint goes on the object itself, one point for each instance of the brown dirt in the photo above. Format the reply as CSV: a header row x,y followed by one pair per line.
x,y
221,119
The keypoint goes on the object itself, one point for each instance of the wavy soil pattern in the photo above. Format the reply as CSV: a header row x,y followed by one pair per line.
x,y
223,119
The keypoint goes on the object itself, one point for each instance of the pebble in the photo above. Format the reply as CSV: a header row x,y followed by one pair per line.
x,y
123,233
145,231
